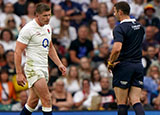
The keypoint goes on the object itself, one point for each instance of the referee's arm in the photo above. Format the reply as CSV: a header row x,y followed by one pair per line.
x,y
117,46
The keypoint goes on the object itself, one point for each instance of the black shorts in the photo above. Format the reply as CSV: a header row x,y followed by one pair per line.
x,y
127,74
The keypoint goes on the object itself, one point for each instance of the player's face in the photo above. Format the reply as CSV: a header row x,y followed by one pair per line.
x,y
44,17
116,14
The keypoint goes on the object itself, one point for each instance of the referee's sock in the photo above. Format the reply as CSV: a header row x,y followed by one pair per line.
x,y
26,110
47,110
138,109
122,109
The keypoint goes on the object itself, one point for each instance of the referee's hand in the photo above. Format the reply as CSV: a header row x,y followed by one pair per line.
x,y
110,66
21,79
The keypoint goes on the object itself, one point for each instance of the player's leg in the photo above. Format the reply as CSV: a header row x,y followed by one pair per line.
x,y
134,97
41,89
31,103
122,97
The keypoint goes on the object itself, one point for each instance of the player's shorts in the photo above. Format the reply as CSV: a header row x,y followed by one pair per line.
x,y
33,74
127,74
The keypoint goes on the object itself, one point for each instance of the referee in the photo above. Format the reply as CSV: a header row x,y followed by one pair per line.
x,y
125,60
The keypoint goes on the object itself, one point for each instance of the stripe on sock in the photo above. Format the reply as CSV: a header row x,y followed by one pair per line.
x,y
47,109
29,108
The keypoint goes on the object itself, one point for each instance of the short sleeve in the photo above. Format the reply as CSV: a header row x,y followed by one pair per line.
x,y
118,34
78,97
73,46
24,36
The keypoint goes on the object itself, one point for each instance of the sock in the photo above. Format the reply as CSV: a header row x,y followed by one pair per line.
x,y
47,110
26,110
122,110
138,109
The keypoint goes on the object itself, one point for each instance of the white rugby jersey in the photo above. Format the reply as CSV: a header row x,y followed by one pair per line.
x,y
37,38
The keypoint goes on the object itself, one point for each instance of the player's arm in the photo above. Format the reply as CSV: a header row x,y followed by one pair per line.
x,y
18,56
53,55
17,59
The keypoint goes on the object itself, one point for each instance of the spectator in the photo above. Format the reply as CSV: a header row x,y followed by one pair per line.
x,y
107,33
94,35
144,100
156,4
72,81
66,33
102,55
1,6
92,10
142,20
95,80
11,24
30,12
149,40
82,99
108,96
2,57
23,96
61,99
9,10
137,8
20,7
157,62
6,39
85,68
55,20
155,99
151,53
81,46
10,66
7,92
101,18
151,80
74,10
149,11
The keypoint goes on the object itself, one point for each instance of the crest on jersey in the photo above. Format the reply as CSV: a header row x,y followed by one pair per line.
x,y
48,31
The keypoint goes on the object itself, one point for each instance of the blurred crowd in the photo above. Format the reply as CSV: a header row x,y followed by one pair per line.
x,y
82,36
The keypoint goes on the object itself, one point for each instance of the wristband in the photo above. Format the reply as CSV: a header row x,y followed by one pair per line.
x,y
110,64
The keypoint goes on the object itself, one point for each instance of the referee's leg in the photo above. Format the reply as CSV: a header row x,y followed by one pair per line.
x,y
122,97
134,97
41,89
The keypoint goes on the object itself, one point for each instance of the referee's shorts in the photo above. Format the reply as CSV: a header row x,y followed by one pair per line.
x,y
127,74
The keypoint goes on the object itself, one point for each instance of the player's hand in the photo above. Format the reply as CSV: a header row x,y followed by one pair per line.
x,y
21,79
63,69
111,66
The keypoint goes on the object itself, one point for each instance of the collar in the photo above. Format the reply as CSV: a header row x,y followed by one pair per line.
x,y
128,20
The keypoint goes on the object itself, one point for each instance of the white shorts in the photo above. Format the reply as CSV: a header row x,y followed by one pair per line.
x,y
33,74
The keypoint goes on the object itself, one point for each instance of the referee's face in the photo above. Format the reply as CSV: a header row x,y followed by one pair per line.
x,y
44,17
116,13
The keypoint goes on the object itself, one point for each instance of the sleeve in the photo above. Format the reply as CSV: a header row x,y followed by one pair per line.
x,y
77,97
73,46
24,36
90,46
118,34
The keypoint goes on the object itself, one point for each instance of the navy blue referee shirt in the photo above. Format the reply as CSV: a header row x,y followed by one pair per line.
x,y
130,33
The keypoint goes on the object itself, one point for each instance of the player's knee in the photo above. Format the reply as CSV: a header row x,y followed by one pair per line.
x,y
122,101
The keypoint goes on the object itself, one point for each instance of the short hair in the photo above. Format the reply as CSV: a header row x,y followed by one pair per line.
x,y
41,7
123,6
